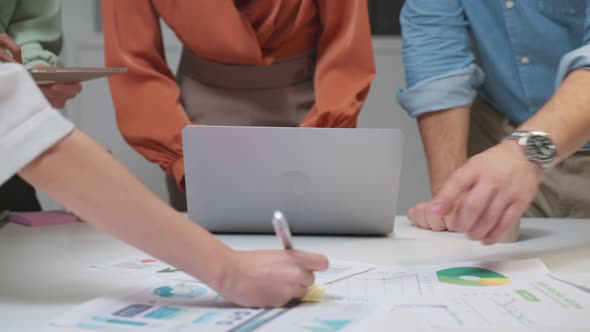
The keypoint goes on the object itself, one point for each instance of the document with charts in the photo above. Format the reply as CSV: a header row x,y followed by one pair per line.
x,y
471,294
146,266
176,306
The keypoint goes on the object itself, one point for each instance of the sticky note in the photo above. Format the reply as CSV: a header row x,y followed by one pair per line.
x,y
315,293
42,218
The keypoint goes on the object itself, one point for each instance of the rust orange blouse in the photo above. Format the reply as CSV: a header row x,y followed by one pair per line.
x,y
149,114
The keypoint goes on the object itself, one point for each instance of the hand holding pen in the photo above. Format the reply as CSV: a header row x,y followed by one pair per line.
x,y
270,277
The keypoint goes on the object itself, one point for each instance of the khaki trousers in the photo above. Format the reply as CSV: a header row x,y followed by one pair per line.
x,y
565,190
212,93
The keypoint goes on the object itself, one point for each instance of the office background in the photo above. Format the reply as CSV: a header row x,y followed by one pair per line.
x,y
93,110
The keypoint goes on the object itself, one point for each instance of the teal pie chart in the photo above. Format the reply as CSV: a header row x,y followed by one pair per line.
x,y
181,291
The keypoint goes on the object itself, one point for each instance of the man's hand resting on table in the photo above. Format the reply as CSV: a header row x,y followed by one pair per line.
x,y
490,192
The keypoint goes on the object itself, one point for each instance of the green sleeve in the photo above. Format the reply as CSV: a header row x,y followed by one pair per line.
x,y
36,26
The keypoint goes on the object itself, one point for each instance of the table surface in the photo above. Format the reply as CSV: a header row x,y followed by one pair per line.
x,y
47,270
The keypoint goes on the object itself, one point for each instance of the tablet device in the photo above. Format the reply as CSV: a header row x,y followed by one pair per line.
x,y
69,75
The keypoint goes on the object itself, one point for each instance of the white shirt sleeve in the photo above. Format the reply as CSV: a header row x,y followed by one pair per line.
x,y
28,124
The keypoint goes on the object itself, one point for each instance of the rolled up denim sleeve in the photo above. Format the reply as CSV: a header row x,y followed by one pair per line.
x,y
578,58
439,64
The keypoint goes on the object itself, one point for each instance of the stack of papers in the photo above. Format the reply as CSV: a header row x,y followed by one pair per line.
x,y
492,294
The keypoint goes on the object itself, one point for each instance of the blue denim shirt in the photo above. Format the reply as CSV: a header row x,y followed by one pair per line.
x,y
512,53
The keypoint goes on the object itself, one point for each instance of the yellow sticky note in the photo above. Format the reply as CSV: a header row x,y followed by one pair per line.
x,y
315,293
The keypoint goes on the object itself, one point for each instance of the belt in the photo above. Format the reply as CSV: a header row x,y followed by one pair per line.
x,y
281,73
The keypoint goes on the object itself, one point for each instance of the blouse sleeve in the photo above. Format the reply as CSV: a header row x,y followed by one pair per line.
x,y
147,99
345,66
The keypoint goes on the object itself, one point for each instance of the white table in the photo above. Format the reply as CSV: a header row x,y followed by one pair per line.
x,y
46,271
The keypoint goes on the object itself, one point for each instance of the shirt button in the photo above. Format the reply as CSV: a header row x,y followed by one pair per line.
x,y
525,60
509,4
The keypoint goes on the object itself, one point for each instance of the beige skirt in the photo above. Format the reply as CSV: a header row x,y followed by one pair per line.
x,y
212,93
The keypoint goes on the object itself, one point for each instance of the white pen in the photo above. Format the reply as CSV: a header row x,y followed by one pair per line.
x,y
279,223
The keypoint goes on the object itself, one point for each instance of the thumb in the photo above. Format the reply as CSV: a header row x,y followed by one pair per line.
x,y
461,181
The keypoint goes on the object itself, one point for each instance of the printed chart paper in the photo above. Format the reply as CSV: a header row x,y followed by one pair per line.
x,y
471,294
166,306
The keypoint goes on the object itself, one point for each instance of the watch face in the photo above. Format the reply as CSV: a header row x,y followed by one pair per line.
x,y
540,148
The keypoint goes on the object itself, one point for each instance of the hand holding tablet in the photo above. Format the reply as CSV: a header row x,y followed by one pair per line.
x,y
62,84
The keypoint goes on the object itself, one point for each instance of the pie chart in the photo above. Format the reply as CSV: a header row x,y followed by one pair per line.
x,y
181,291
471,276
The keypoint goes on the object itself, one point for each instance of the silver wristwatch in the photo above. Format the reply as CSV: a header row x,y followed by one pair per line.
x,y
537,146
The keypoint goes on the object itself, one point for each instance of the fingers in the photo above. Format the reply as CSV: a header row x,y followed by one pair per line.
x,y
308,279
473,206
295,287
461,181
491,217
59,94
421,215
301,277
9,44
67,88
5,57
299,292
286,295
511,215
415,216
310,261
435,223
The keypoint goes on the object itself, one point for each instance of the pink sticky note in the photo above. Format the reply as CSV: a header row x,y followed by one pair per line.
x,y
42,218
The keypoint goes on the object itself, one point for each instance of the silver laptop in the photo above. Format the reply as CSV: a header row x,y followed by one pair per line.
x,y
325,181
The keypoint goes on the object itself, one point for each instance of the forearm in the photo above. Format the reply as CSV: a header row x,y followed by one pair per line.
x,y
87,180
566,117
444,136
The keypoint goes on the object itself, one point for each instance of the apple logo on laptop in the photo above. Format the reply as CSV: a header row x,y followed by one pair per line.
x,y
295,183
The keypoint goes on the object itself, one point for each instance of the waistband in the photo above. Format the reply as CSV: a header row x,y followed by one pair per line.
x,y
281,73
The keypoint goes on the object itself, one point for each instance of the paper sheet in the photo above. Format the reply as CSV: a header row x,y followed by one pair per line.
x,y
387,282
471,294
164,305
146,266
340,269
579,280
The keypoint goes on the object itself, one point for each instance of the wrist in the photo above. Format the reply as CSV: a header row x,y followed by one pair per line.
x,y
535,146
224,264
515,150
213,264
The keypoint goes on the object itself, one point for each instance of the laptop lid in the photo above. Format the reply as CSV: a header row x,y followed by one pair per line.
x,y
325,180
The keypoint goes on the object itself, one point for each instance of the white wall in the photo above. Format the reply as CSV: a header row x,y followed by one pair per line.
x,y
381,110
93,110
